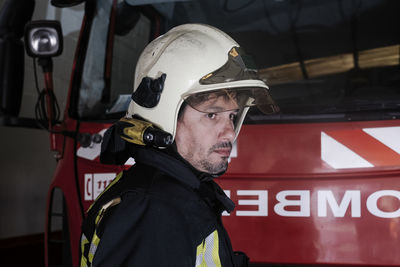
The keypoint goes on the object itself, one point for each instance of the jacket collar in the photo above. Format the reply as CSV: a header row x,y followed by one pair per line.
x,y
175,166
167,164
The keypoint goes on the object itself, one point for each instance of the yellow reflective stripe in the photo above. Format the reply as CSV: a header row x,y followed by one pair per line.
x,y
83,262
207,253
98,217
84,241
93,246
215,250
96,239
116,179
200,254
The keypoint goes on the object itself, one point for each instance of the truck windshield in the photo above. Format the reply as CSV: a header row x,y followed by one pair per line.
x,y
323,60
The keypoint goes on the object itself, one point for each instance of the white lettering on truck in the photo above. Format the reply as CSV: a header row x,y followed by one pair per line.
x,y
296,203
326,197
261,202
303,203
290,203
372,204
95,183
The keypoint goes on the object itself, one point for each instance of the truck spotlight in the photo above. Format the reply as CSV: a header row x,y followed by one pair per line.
x,y
43,38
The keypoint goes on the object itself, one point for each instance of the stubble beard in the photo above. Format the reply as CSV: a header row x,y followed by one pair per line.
x,y
214,168
221,165
204,164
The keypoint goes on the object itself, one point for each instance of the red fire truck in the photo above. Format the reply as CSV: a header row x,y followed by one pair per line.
x,y
317,184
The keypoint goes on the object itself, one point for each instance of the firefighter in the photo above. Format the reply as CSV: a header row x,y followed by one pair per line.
x,y
193,87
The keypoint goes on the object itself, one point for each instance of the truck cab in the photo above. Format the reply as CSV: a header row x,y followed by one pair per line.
x,y
316,184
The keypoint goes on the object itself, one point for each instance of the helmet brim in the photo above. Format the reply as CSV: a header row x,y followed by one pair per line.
x,y
242,96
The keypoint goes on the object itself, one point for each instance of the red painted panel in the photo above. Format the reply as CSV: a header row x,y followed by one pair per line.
x,y
277,158
294,150
273,159
367,239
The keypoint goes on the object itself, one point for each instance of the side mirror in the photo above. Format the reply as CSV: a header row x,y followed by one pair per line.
x,y
43,38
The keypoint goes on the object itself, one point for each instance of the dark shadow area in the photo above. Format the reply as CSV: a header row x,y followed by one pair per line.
x,y
29,250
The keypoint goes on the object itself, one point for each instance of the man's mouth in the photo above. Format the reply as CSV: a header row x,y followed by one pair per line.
x,y
225,152
223,149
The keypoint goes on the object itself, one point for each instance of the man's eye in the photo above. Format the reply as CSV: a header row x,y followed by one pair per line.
x,y
233,117
211,115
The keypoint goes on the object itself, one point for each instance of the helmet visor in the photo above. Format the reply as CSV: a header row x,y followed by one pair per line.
x,y
239,66
232,99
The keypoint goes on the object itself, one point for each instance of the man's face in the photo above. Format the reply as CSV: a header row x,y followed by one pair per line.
x,y
205,139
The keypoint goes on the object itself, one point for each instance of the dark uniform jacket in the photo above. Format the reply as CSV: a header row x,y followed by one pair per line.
x,y
160,212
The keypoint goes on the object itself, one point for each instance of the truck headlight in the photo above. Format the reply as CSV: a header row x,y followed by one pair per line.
x,y
43,38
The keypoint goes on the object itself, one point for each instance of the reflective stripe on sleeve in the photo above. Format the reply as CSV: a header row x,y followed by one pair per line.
x,y
84,241
207,254
93,247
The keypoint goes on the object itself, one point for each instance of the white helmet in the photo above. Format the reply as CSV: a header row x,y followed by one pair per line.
x,y
187,60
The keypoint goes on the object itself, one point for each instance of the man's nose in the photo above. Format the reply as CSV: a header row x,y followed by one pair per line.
x,y
228,130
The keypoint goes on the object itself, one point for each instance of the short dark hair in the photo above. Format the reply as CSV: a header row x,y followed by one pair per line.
x,y
181,110
199,98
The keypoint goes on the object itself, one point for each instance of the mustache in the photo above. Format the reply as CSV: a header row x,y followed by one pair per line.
x,y
221,145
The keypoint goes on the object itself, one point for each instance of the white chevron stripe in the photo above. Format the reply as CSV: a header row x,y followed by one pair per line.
x,y
339,156
390,136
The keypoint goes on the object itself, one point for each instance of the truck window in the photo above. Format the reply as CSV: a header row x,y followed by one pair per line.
x,y
346,68
126,51
356,94
100,96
